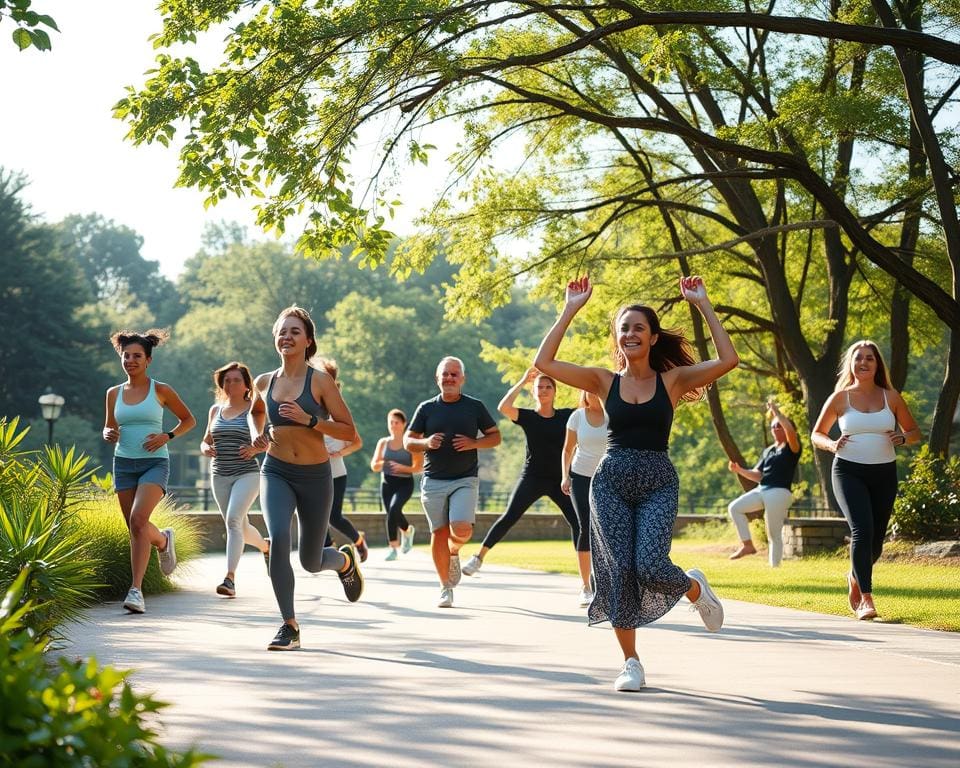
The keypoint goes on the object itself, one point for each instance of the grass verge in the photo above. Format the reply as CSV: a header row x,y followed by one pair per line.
x,y
907,590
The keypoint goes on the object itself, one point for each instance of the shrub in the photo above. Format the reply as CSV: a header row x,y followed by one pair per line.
x,y
928,503
39,494
73,712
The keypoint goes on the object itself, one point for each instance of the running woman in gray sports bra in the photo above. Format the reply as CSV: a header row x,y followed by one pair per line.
x,y
398,466
301,405
234,471
634,491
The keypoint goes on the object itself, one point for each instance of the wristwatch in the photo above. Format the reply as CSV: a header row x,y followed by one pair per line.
x,y
170,434
313,421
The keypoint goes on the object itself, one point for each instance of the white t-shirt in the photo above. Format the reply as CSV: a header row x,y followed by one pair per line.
x,y
591,443
337,467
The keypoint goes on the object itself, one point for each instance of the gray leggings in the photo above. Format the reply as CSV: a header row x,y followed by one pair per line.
x,y
308,488
234,495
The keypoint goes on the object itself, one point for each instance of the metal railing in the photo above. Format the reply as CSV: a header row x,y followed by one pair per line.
x,y
368,500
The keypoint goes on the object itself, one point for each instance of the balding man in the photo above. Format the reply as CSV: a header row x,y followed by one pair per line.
x,y
449,430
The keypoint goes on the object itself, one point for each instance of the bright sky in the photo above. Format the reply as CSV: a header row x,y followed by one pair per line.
x,y
57,129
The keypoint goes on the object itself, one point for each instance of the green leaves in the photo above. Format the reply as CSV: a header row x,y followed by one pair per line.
x,y
28,22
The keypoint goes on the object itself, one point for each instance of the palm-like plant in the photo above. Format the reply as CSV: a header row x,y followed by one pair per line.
x,y
38,532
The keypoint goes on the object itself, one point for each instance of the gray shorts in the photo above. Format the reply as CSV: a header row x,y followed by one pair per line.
x,y
449,501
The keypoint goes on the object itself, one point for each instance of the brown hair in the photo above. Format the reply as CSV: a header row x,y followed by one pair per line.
x,y
671,350
332,370
399,414
221,373
148,339
304,317
845,375
548,378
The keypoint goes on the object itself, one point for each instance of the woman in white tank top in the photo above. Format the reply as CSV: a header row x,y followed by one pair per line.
x,y
867,412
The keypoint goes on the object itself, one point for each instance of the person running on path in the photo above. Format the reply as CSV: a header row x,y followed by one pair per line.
x,y
294,407
141,460
583,447
634,493
544,428
398,466
874,420
773,475
233,467
448,430
338,450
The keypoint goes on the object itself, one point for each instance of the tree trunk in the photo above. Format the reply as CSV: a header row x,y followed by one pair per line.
x,y
945,412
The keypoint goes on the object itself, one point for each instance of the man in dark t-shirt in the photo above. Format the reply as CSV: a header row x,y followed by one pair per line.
x,y
449,430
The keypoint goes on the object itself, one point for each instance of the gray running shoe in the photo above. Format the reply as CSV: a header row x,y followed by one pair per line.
x,y
134,602
454,573
168,558
286,639
473,565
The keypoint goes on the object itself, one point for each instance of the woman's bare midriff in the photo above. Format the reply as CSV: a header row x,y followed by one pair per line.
x,y
298,445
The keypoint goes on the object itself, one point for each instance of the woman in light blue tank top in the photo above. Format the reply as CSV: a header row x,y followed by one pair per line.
x,y
141,466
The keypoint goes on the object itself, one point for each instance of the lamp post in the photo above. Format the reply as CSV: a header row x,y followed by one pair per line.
x,y
50,407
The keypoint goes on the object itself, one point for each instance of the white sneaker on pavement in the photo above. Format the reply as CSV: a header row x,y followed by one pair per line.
x,y
708,605
631,677
134,601
446,598
586,597
473,565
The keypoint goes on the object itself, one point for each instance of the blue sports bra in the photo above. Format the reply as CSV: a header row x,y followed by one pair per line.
x,y
305,400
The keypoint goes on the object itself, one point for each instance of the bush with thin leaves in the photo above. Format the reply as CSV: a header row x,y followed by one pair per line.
x,y
73,713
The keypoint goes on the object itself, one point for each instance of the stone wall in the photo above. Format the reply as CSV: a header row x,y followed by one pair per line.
x,y
809,535
533,526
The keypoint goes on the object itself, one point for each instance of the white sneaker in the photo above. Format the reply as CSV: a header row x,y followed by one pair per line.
x,y
586,597
708,605
631,678
391,555
453,572
134,601
473,565
446,598
406,539
168,558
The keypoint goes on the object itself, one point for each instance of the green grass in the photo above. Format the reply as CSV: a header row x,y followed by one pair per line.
x,y
907,590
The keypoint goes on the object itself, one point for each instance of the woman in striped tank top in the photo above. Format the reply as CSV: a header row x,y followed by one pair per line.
x,y
234,470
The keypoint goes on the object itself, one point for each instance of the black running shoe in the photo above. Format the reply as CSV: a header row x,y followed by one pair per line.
x,y
227,588
286,639
351,579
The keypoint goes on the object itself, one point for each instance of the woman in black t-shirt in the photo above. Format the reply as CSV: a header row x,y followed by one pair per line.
x,y
773,474
545,429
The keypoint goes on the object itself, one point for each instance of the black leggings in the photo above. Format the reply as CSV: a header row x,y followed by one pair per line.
x,y
395,491
306,488
337,520
528,489
865,493
580,496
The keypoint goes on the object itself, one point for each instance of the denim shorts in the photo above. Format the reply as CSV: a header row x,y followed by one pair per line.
x,y
129,473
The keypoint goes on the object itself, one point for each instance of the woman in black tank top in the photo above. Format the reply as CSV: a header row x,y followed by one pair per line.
x,y
633,495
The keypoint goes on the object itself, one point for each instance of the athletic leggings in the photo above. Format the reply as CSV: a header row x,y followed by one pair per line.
x,y
234,495
580,496
395,491
337,520
865,493
308,488
528,489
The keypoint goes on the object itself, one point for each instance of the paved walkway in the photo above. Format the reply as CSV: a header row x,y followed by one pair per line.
x,y
512,676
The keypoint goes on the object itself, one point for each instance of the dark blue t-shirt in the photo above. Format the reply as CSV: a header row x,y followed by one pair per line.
x,y
777,466
544,441
466,416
